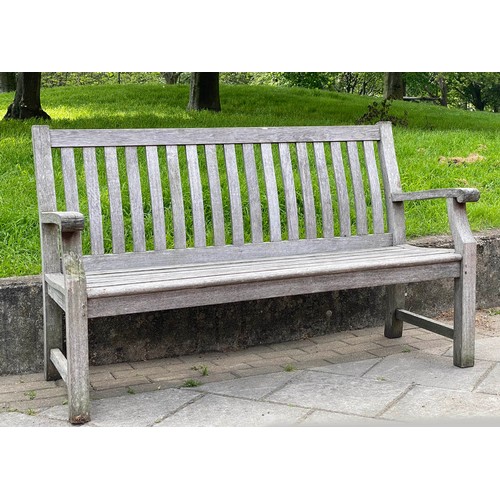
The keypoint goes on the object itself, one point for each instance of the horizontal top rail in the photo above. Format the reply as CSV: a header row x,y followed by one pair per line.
x,y
195,136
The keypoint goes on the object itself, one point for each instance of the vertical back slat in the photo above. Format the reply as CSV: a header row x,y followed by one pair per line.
x,y
69,178
234,194
215,195
324,190
200,236
157,208
135,193
94,200
115,200
253,193
358,188
342,193
307,191
176,200
374,181
290,196
271,192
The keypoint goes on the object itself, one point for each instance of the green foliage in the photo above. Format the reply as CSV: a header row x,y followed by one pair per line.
x,y
378,111
433,132
191,383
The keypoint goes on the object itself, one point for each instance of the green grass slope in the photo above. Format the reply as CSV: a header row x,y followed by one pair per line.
x,y
425,148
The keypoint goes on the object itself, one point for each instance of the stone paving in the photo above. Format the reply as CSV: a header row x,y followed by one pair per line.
x,y
347,378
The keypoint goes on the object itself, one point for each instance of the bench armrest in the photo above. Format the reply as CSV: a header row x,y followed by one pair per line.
x,y
462,195
68,222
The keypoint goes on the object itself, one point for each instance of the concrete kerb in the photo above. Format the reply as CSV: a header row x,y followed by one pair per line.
x,y
229,327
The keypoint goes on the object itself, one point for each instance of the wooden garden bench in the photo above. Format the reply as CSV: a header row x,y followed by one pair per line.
x,y
190,217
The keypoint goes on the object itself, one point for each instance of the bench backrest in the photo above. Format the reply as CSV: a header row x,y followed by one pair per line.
x,y
299,188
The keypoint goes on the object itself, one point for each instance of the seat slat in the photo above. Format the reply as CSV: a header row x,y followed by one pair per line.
x,y
94,200
253,193
271,192
234,195
342,193
307,191
115,200
176,198
157,207
69,178
200,235
215,195
292,217
324,190
358,188
135,194
374,181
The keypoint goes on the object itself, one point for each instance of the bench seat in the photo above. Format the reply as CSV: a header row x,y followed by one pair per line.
x,y
207,283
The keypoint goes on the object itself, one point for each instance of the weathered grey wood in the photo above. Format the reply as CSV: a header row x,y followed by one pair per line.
x,y
69,178
462,195
344,211
465,285
375,192
76,329
215,195
198,209
135,195
271,192
176,198
60,362
156,191
94,263
292,217
94,200
392,183
253,193
307,191
423,322
358,188
265,289
202,136
115,200
224,274
324,190
121,283
234,195
67,222
46,193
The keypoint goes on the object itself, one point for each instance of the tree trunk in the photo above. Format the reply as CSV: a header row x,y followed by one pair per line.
x,y
27,98
476,97
394,86
443,87
171,78
7,82
204,92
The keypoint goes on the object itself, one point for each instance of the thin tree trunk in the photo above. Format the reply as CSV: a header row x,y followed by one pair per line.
x,y
27,98
394,86
7,82
443,87
171,78
204,92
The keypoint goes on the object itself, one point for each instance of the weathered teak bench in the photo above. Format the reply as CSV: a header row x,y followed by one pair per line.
x,y
189,217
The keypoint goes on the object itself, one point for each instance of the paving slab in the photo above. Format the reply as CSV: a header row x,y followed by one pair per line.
x,y
341,393
487,348
255,387
425,369
352,368
321,418
422,404
17,419
491,383
212,410
132,410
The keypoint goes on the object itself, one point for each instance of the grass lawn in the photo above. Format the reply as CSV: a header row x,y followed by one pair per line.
x,y
425,148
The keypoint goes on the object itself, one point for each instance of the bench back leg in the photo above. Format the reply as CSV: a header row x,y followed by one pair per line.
x,y
395,300
52,333
465,310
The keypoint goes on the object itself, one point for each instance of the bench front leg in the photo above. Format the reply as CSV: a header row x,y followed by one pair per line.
x,y
77,352
465,286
